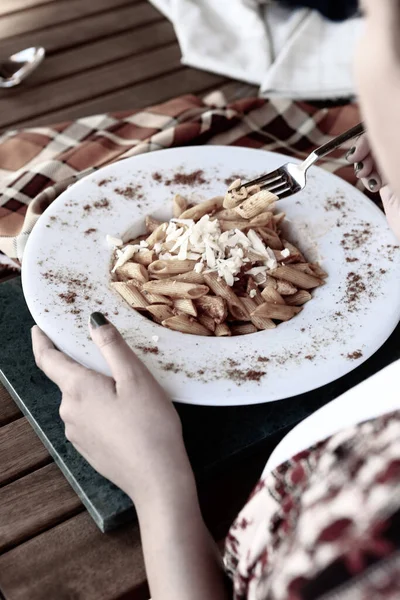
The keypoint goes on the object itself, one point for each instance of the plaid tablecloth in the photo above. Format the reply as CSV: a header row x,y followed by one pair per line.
x,y
37,164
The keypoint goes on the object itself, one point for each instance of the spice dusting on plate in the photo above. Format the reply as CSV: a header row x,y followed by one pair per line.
x,y
355,355
356,237
240,376
69,297
89,231
191,178
355,288
148,349
104,182
103,203
131,192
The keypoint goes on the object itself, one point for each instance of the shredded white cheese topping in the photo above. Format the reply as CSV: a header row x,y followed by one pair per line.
x,y
223,252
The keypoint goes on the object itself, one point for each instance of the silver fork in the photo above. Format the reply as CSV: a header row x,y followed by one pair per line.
x,y
291,178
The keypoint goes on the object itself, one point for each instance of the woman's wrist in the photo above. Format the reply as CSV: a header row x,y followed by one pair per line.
x,y
167,480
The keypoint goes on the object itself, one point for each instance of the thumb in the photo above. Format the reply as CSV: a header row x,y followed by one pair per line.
x,y
391,204
121,359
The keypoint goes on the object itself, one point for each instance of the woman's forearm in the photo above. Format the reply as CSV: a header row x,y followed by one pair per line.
x,y
181,558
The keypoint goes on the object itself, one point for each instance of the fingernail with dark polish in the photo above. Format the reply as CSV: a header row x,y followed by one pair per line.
x,y
350,152
372,183
97,319
358,167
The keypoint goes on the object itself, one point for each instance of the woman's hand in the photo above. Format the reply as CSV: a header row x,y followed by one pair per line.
x,y
367,170
126,427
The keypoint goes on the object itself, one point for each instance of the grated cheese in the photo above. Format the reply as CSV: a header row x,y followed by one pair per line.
x,y
113,241
221,252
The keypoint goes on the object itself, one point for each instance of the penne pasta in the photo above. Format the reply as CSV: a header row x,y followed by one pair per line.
x,y
160,312
144,257
263,323
228,214
295,254
176,289
285,288
229,225
166,268
256,204
297,278
299,298
270,237
249,304
131,270
186,306
156,298
158,235
243,329
235,194
261,220
207,322
185,324
222,289
272,296
220,267
238,311
152,224
278,218
303,267
318,271
130,294
203,208
190,277
222,330
179,205
254,292
280,312
214,307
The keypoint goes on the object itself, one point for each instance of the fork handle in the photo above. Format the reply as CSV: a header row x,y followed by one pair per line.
x,y
339,140
333,144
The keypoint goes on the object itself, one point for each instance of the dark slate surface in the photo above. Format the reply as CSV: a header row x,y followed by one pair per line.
x,y
214,436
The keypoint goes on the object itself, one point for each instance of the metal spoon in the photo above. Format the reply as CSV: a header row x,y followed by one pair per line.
x,y
17,67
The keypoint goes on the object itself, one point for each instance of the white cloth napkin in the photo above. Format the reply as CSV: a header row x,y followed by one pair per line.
x,y
291,53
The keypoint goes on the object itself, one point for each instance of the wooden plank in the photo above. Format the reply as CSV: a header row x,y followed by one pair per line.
x,y
21,451
34,503
94,27
12,6
75,560
40,17
9,411
8,7
185,81
16,106
104,51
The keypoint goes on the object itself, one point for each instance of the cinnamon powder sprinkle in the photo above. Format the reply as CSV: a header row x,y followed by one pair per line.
x,y
355,355
103,203
69,297
149,349
193,178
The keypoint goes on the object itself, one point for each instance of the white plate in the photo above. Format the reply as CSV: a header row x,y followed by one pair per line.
x,y
330,220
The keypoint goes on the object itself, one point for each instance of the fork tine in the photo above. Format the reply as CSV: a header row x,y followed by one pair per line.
x,y
277,187
287,191
265,179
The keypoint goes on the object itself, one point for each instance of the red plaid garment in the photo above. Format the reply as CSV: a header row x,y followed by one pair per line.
x,y
324,525
37,164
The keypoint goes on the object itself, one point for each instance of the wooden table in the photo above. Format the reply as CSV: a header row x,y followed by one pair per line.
x,y
102,55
